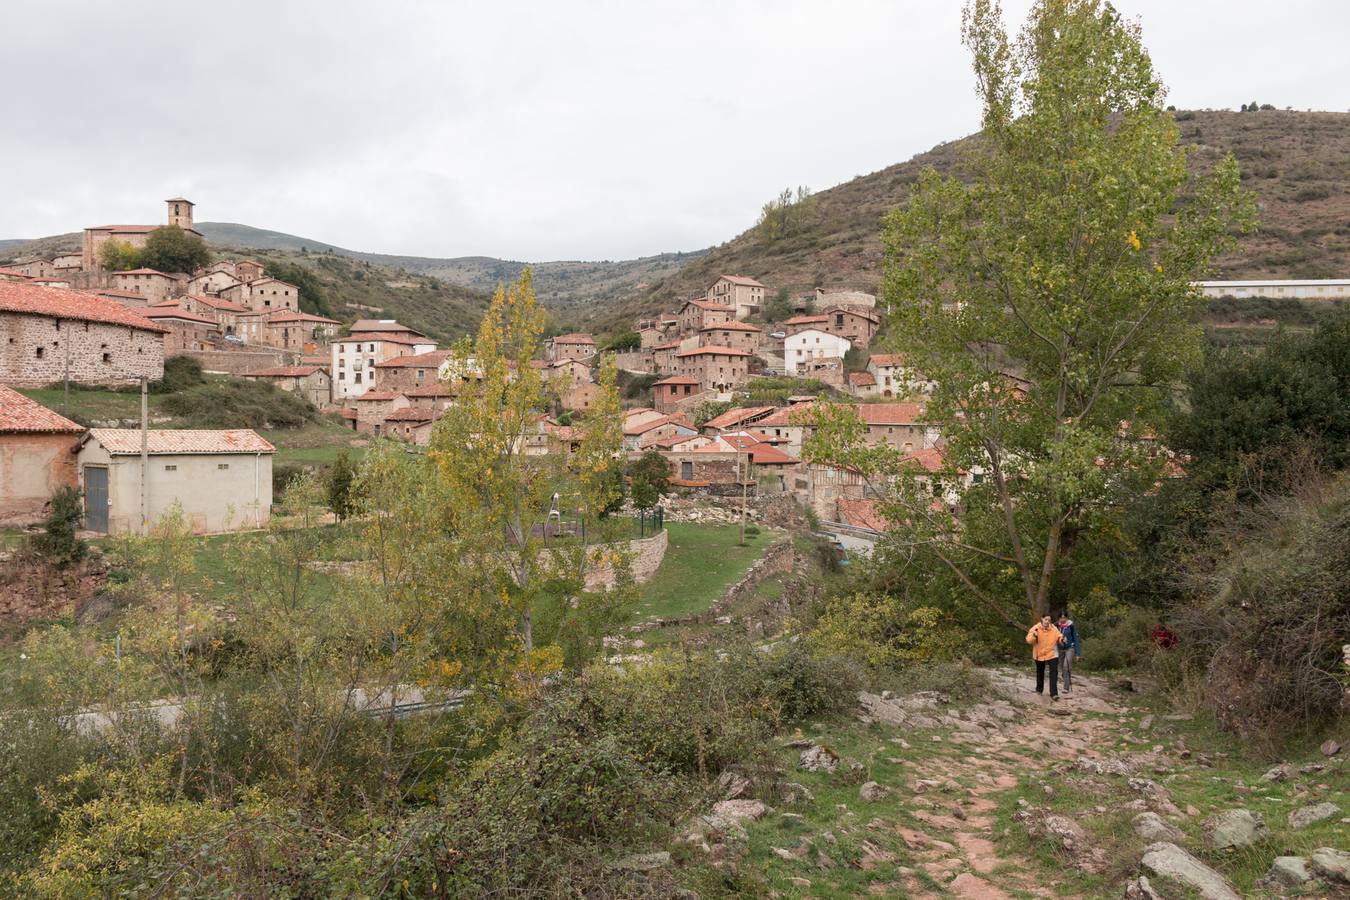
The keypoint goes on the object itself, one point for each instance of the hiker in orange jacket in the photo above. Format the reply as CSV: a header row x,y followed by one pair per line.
x,y
1045,639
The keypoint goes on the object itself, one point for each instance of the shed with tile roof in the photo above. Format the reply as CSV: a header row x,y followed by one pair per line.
x,y
221,480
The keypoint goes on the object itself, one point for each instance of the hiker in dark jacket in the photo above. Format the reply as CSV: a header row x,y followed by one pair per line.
x,y
1070,650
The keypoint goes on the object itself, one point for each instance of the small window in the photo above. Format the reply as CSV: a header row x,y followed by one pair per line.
x,y
222,465
107,357
170,468
40,351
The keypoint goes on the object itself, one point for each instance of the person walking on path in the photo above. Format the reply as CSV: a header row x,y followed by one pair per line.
x,y
1045,639
1069,650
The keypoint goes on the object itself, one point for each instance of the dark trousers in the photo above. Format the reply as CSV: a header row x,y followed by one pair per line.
x,y
1041,665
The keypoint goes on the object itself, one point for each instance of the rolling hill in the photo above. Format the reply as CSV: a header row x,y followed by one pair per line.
x,y
1298,163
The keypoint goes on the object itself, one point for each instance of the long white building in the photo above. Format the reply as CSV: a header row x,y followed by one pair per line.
x,y
1301,289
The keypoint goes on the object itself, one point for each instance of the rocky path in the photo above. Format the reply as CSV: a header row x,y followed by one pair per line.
x,y
1018,797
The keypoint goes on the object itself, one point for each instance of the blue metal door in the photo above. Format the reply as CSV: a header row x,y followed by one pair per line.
x,y
96,498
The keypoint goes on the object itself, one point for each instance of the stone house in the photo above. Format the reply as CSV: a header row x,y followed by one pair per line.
x,y
720,472
48,333
225,313
821,487
849,299
715,368
151,284
300,331
179,213
896,378
696,315
763,462
579,397
264,295
640,434
417,370
35,457
211,282
857,325
569,346
355,357
436,397
411,424
8,274
811,343
862,384
740,335
35,268
222,480
744,295
787,426
373,407
898,425
66,262
248,270
310,382
185,330
53,281
663,357
668,393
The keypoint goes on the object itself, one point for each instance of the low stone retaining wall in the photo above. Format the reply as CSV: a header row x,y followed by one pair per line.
x,y
239,362
645,555
779,558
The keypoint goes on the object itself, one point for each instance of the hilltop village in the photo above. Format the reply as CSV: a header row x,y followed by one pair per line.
x,y
718,386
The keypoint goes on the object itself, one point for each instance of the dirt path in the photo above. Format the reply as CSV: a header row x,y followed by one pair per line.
x,y
994,746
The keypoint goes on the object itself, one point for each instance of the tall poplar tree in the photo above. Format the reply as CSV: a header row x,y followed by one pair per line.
x,y
1048,293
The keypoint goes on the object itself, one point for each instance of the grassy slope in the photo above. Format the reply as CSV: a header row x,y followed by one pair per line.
x,y
701,562
1297,163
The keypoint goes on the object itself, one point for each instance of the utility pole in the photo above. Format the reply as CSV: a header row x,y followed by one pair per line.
x,y
744,478
145,456
65,380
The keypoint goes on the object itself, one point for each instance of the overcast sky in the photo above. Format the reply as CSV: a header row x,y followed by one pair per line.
x,y
544,130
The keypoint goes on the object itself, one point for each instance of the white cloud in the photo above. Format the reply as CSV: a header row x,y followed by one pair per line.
x,y
537,130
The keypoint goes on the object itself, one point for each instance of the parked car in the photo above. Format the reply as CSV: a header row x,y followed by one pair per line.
x,y
234,339
778,335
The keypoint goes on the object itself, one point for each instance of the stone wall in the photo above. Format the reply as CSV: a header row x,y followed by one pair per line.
x,y
240,362
635,360
645,555
35,351
32,467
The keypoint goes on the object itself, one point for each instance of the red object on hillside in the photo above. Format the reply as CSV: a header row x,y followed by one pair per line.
x,y
1163,636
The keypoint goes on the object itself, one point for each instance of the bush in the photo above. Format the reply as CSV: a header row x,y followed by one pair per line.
x,y
282,476
180,373
58,543
238,403
959,679
884,631
1271,614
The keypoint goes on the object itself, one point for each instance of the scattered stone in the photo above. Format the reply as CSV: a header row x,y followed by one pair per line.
x,y
1287,871
923,785
1192,810
1167,860
1311,769
798,743
958,813
798,881
1140,889
901,743
642,862
1145,724
740,809
1330,748
792,792
1112,766
732,785
819,759
972,887
871,791
1277,773
1153,828
1156,795
1311,815
1235,828
1076,843
1331,864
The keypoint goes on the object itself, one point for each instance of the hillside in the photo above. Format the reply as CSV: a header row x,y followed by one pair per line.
x,y
1298,163
572,289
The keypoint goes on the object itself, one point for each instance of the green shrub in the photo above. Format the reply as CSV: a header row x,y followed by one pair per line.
x,y
959,679
239,403
803,684
883,631
58,543
180,373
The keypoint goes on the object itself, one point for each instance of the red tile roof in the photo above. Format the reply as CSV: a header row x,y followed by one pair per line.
x,y
143,271
888,359
383,325
157,312
678,379
930,459
289,316
379,395
573,339
861,379
675,440
387,337
668,345
861,514
411,414
741,279
784,415
14,273
649,424
216,303
285,372
805,320
711,350
19,413
415,360
127,441
848,311
36,300
737,416
730,326
706,304
348,413
889,413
